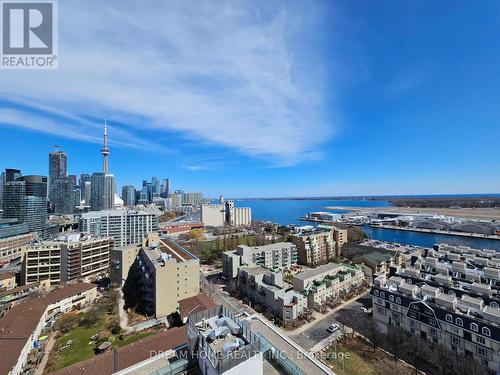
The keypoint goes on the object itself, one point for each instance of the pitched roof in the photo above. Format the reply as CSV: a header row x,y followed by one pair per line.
x,y
128,355
194,304
15,332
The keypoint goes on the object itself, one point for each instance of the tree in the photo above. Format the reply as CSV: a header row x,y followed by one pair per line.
x,y
196,234
372,333
66,322
355,234
396,338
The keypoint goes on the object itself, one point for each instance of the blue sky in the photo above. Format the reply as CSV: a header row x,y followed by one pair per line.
x,y
269,98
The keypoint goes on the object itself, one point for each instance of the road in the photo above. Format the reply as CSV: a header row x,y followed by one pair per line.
x,y
318,332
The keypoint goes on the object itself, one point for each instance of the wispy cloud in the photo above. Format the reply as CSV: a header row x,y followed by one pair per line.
x,y
195,168
224,73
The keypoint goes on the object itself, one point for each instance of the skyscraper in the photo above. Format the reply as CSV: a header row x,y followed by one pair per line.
x,y
128,195
63,193
13,200
165,188
25,199
35,203
58,167
85,188
155,186
12,174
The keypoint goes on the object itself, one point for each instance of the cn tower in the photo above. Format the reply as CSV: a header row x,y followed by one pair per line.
x,y
105,149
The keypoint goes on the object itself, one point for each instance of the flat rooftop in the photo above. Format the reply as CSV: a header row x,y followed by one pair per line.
x,y
175,250
313,272
284,345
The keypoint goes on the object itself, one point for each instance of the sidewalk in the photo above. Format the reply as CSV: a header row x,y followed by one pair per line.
x,y
48,348
319,317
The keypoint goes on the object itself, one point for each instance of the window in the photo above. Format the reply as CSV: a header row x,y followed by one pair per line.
x,y
459,322
433,331
449,318
409,281
382,295
398,300
432,322
480,340
494,304
486,331
391,298
375,292
474,327
455,340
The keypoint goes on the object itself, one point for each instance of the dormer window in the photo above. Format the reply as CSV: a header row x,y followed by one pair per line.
x,y
398,300
474,327
391,298
459,322
449,318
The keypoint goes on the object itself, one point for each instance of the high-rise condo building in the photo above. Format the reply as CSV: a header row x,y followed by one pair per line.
x,y
84,178
13,200
102,191
58,167
128,195
35,203
62,198
194,199
25,199
165,188
126,226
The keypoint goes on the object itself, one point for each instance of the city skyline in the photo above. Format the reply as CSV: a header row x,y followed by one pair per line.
x,y
302,102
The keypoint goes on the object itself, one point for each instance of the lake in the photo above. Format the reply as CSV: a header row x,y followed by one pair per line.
x,y
286,212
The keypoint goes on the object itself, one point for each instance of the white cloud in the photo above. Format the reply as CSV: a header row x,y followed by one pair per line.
x,y
221,72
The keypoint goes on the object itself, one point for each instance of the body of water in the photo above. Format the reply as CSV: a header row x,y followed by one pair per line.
x,y
286,212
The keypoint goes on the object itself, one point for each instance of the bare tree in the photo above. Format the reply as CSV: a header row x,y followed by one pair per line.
x,y
373,334
396,338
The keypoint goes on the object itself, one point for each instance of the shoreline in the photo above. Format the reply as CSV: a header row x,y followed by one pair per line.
x,y
466,213
436,231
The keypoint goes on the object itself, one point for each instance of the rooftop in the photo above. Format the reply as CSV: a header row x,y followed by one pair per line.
x,y
175,250
14,332
314,272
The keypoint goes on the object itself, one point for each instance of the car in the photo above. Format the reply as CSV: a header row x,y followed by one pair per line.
x,y
333,327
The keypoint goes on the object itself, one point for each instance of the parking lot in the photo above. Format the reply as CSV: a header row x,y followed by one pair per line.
x,y
318,332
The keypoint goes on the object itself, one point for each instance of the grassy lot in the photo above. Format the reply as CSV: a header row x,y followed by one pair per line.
x,y
80,349
131,339
363,360
354,364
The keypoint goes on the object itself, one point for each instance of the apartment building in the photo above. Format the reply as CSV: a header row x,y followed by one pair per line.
x,y
122,259
223,344
22,325
266,287
7,281
448,296
315,247
69,258
279,255
163,274
329,281
12,247
126,226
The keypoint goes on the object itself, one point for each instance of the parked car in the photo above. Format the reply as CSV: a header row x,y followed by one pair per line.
x,y
333,327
